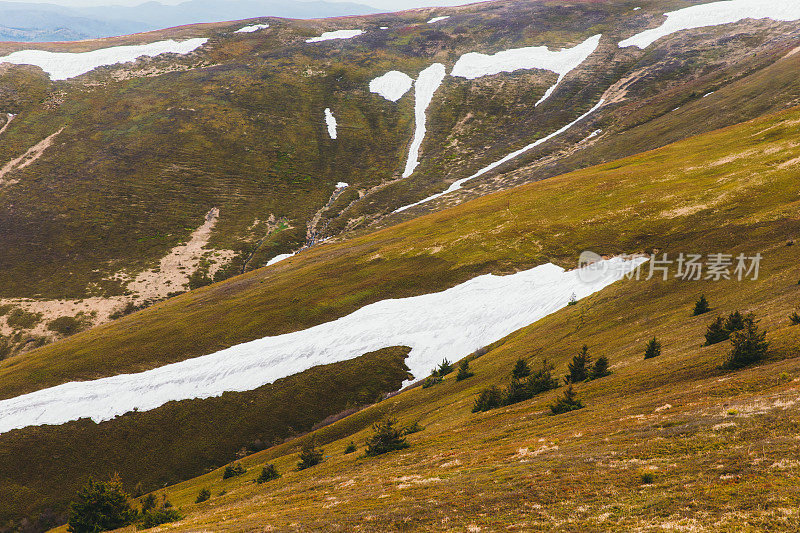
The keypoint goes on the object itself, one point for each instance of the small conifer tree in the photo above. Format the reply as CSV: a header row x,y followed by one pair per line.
x,y
445,367
463,371
716,332
600,368
734,322
100,506
749,345
310,455
579,367
521,369
387,438
488,399
568,402
233,471
203,495
268,473
794,318
701,306
653,349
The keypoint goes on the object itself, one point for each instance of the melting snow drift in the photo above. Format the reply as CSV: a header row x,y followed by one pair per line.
x,y
475,65
434,20
456,185
330,120
426,85
450,324
251,29
65,65
714,14
338,34
392,85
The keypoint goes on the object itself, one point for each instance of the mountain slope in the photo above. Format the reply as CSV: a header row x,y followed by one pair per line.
x,y
717,443
730,191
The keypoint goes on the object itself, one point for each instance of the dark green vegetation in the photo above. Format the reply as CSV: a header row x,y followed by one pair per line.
x,y
701,306
464,371
653,348
233,471
387,437
268,473
203,495
182,439
310,455
566,403
100,506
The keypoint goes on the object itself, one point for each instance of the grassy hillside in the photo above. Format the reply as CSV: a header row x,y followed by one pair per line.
x,y
672,442
146,150
42,466
714,187
730,191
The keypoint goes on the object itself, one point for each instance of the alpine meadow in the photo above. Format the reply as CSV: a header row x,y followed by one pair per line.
x,y
516,265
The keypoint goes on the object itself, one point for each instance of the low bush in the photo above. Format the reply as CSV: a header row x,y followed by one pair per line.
x,y
268,473
431,381
520,370
489,398
233,471
100,506
794,318
568,402
350,448
21,319
463,371
156,516
310,455
203,495
67,325
647,478
387,438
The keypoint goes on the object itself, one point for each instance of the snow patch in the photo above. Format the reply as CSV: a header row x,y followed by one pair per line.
x,y
456,185
338,34
475,65
434,20
65,65
449,324
715,14
392,85
280,257
251,29
425,87
330,120
342,185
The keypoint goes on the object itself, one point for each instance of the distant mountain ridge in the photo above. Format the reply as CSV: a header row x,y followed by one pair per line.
x,y
24,22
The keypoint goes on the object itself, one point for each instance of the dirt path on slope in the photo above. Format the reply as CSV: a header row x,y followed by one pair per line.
x,y
33,153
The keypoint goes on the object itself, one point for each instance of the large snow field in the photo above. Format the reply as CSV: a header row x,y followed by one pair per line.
x,y
426,85
474,65
456,185
392,85
65,65
448,324
714,14
251,29
330,121
338,34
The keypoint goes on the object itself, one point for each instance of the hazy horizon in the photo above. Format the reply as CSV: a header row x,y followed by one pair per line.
x,y
388,5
